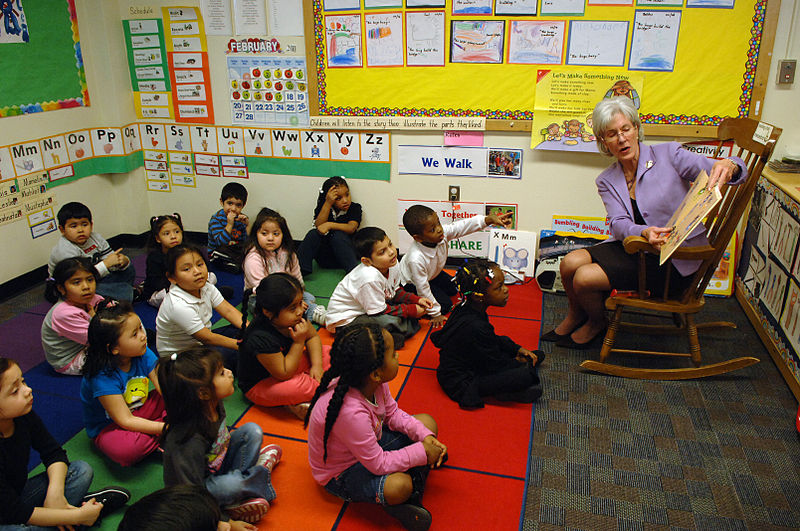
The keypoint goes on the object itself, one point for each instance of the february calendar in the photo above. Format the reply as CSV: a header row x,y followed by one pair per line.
x,y
266,90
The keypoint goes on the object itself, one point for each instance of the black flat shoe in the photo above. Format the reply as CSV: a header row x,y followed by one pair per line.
x,y
553,336
569,343
412,517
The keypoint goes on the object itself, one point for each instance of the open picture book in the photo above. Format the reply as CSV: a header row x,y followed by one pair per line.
x,y
694,208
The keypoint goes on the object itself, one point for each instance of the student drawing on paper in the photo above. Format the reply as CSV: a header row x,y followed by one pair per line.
x,y
623,87
344,48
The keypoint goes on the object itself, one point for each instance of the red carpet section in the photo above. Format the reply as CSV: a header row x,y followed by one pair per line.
x,y
482,486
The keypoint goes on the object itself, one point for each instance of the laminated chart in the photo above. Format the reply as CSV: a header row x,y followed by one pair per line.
x,y
268,90
187,53
147,62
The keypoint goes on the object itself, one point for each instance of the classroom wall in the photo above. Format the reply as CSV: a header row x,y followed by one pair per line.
x,y
552,182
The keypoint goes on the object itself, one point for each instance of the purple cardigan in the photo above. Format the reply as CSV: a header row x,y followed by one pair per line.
x,y
663,178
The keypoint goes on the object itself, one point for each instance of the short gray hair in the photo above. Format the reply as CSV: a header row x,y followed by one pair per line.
x,y
606,110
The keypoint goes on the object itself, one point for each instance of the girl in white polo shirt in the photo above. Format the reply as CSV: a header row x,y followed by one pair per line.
x,y
184,318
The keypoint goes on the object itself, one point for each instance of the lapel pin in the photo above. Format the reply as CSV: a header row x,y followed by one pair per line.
x,y
649,164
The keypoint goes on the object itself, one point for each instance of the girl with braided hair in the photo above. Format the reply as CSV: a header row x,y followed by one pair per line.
x,y
352,454
474,362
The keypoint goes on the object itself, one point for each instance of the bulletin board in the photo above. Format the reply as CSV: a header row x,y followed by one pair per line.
x,y
46,72
717,71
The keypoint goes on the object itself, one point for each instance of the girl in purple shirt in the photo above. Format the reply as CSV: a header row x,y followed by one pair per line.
x,y
351,453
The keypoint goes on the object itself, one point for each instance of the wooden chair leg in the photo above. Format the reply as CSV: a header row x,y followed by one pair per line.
x,y
611,334
694,343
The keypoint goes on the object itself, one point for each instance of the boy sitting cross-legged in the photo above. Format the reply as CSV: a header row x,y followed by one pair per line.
x,y
115,274
371,291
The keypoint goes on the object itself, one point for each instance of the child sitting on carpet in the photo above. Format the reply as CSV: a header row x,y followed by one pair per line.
x,y
361,446
281,358
178,508
474,362
56,497
165,233
371,292
184,318
199,449
122,416
422,267
270,249
64,329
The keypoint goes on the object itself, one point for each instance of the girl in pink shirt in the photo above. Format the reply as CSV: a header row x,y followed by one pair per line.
x,y
66,325
350,451
270,249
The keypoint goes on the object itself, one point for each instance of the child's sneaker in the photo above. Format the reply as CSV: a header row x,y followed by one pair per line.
x,y
269,456
250,511
413,517
318,315
299,410
112,498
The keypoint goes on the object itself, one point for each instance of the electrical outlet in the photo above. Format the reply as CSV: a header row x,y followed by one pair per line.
x,y
453,193
786,69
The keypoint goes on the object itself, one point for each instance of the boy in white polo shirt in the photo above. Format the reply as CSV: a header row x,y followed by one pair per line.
x,y
371,291
421,269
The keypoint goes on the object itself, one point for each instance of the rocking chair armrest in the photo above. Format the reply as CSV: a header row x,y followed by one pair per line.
x,y
700,252
634,244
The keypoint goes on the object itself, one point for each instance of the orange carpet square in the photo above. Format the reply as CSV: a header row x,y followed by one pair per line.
x,y
301,503
406,354
492,439
457,499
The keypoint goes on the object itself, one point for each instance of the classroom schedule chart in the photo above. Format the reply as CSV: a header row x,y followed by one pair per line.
x,y
268,90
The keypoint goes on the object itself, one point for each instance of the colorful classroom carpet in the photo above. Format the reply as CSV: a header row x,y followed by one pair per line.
x,y
482,486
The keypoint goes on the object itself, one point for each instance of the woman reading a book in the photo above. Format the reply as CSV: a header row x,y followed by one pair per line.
x,y
641,190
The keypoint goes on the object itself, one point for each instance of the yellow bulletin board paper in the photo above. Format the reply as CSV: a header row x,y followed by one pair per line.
x,y
713,75
565,99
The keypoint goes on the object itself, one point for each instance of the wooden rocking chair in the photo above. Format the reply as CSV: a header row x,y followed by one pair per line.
x,y
720,225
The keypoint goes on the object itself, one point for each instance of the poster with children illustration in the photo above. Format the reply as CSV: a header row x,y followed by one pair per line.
x,y
565,99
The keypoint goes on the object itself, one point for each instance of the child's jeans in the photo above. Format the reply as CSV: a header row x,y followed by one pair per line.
x,y
240,477
297,389
118,284
332,250
129,447
76,485
357,484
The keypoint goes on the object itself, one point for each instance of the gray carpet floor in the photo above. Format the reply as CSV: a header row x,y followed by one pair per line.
x,y
613,453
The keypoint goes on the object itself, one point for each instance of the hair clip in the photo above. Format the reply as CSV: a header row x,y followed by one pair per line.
x,y
466,270
488,279
50,279
174,356
489,274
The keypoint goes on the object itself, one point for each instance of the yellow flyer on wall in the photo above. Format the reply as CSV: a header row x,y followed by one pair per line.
x,y
565,99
